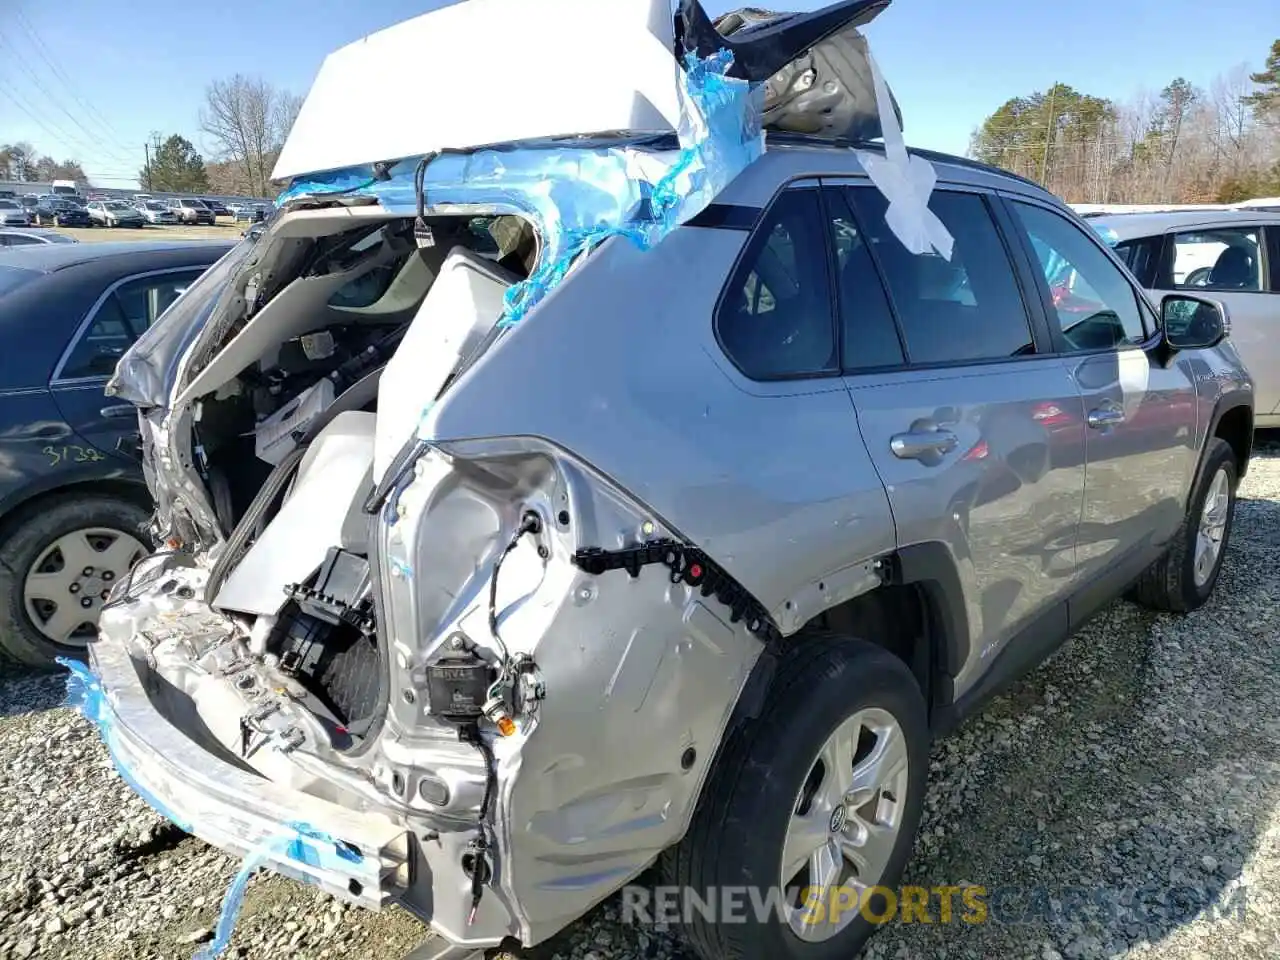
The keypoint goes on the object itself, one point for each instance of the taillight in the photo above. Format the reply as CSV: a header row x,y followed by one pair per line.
x,y
979,451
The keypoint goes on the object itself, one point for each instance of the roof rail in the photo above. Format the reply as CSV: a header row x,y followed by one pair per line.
x,y
933,156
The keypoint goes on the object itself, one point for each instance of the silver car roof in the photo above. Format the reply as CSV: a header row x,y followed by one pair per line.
x,y
1129,226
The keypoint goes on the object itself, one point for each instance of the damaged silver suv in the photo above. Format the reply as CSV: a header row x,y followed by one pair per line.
x,y
541,502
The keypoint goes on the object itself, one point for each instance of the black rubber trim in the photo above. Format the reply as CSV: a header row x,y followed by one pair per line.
x,y
930,566
726,216
1230,400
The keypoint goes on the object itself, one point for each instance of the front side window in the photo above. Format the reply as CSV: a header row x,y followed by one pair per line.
x,y
776,318
968,308
1223,259
121,319
1093,301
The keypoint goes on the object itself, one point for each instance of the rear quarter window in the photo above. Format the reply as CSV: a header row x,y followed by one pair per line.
x,y
1142,257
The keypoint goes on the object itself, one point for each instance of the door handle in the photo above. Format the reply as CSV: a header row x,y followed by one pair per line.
x,y
118,411
923,445
1105,417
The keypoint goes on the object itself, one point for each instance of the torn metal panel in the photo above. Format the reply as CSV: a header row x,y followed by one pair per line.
x,y
814,66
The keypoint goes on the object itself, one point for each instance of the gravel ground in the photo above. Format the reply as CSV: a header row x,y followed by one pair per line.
x,y
1139,768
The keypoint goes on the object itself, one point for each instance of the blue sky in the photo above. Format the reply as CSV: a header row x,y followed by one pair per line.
x,y
120,71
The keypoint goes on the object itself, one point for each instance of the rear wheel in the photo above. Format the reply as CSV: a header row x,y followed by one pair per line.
x,y
58,562
813,808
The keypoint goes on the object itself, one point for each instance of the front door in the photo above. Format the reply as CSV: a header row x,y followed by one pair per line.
x,y
1139,414
977,435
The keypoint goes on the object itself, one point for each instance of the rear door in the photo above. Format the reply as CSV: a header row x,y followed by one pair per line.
x,y
977,433
1140,413
121,314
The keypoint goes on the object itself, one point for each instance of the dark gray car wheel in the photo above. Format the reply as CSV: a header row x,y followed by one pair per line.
x,y
57,563
814,805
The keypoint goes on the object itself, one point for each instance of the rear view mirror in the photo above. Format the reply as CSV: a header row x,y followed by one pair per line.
x,y
1192,323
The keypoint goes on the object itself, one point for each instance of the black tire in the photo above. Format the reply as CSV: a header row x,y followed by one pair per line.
x,y
1169,584
736,837
26,536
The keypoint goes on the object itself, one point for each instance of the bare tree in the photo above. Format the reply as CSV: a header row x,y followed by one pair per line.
x,y
1229,94
248,120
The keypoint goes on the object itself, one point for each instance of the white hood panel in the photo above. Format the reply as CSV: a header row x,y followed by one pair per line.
x,y
484,72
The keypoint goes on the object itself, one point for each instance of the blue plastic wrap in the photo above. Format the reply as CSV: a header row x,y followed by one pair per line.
x,y
1108,235
84,693
579,195
299,842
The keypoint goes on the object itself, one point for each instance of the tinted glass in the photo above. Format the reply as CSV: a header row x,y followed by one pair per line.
x,y
16,240
1142,258
1225,259
965,309
121,319
1095,305
870,336
1273,256
776,319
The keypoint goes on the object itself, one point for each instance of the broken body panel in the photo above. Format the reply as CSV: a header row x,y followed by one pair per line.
x,y
402,643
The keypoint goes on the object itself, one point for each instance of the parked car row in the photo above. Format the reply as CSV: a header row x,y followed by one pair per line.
x,y
97,210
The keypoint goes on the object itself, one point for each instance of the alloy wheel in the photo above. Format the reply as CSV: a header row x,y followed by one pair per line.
x,y
1213,527
845,823
65,588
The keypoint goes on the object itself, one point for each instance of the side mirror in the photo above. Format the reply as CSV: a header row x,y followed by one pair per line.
x,y
1192,323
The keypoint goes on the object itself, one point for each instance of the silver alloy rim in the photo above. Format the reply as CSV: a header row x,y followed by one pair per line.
x,y
65,588
1213,527
844,824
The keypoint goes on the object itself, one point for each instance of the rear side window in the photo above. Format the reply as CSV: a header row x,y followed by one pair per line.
x,y
1142,257
1225,259
775,320
121,319
966,309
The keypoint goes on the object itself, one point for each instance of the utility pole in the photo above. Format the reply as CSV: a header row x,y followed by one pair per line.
x,y
1048,134
147,150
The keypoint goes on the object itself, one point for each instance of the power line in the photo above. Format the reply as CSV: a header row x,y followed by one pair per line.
x,y
45,124
35,80
43,52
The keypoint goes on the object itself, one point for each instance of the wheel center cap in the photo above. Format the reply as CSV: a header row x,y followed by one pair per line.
x,y
838,817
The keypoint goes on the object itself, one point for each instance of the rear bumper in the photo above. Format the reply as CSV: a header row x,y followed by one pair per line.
x,y
352,857
359,848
